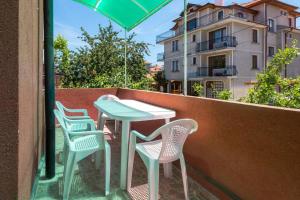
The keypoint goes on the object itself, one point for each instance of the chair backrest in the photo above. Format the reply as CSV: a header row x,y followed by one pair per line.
x,y
60,107
108,97
60,118
174,135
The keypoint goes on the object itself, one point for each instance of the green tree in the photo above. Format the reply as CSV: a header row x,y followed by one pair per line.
x,y
198,88
100,62
61,56
224,94
271,88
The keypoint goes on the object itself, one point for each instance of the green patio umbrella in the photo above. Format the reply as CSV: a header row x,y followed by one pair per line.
x,y
127,13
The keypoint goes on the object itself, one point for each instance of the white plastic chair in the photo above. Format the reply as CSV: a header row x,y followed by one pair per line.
x,y
166,150
103,117
79,148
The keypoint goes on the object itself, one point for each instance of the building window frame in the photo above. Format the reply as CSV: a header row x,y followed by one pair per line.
x,y
175,66
240,15
255,39
220,14
271,51
254,62
271,25
290,22
194,38
174,45
194,60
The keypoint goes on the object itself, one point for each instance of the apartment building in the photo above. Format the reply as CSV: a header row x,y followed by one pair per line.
x,y
228,45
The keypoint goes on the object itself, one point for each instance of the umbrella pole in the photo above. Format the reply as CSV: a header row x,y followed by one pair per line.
x,y
125,74
185,50
49,89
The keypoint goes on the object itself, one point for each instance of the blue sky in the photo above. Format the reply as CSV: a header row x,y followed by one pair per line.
x,y
69,16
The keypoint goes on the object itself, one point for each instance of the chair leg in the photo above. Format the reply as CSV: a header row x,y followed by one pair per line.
x,y
153,180
68,174
65,154
98,158
107,169
131,154
184,177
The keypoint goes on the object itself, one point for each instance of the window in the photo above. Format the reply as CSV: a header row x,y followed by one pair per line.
x,y
282,12
220,15
192,24
194,61
175,67
240,15
271,51
254,62
213,87
254,35
194,38
271,25
290,22
175,45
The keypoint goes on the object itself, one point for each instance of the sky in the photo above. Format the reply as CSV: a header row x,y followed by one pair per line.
x,y
69,16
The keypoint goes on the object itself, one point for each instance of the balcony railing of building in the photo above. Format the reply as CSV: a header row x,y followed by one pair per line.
x,y
160,57
201,22
218,43
229,70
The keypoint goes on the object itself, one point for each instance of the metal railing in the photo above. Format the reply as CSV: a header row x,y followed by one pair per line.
x,y
229,70
218,43
160,57
201,22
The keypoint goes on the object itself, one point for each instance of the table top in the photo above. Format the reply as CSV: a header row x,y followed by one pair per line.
x,y
132,110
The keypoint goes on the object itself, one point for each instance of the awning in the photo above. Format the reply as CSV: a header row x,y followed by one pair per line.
x,y
126,13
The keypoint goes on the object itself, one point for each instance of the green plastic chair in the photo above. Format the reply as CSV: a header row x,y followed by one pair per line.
x,y
81,146
166,150
77,114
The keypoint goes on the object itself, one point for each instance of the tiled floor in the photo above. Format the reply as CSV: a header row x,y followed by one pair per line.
x,y
88,183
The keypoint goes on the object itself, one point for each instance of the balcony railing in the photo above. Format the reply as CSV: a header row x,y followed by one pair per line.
x,y
219,43
201,22
229,70
160,57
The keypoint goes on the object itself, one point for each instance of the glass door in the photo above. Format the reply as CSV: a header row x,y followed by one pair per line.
x,y
216,37
216,62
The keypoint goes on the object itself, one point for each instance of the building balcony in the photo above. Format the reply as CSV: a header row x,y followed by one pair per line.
x,y
160,57
201,22
219,156
229,70
219,43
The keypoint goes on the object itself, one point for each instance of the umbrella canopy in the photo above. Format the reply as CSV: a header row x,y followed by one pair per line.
x,y
126,13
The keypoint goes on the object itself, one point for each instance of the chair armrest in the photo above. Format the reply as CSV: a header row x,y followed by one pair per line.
x,y
83,111
82,121
145,138
78,117
85,133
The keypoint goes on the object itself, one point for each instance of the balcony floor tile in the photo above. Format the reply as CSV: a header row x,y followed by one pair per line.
x,y
88,183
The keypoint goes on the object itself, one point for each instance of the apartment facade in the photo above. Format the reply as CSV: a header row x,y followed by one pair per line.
x,y
228,45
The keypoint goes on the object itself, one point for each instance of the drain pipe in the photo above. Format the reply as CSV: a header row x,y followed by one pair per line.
x,y
49,88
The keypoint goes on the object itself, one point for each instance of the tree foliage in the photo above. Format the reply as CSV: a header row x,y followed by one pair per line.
x,y
224,94
101,61
198,88
271,88
61,54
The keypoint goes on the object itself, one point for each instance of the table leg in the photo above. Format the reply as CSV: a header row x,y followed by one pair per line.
x,y
101,121
124,153
168,173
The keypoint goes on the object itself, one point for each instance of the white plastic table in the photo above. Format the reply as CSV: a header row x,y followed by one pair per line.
x,y
131,111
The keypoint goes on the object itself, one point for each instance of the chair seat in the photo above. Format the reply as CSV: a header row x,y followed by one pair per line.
x,y
151,149
88,143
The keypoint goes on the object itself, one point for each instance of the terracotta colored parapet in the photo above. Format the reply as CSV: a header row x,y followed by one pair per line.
x,y
251,150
